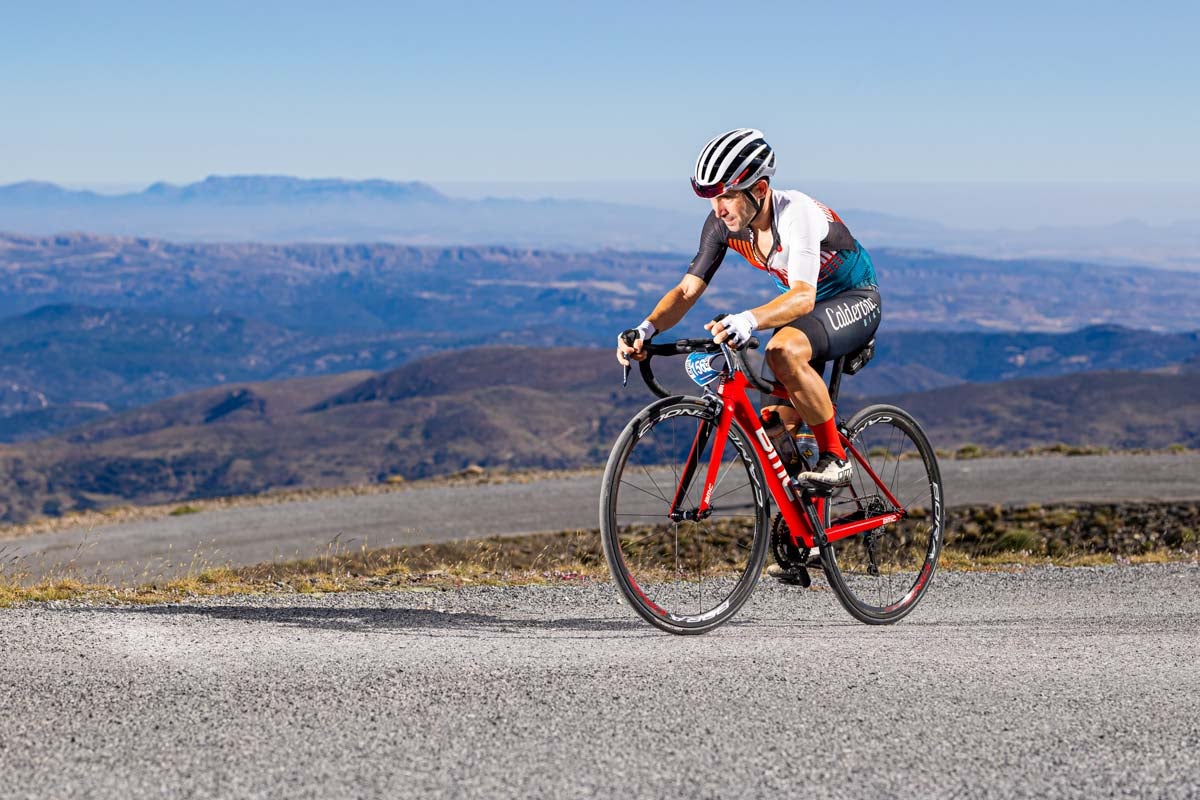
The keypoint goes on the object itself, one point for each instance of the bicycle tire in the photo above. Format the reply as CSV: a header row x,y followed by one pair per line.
x,y
639,544
879,576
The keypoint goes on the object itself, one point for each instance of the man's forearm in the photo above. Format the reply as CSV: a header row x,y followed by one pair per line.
x,y
674,305
785,308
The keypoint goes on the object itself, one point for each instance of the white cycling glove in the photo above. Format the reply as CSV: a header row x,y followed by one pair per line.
x,y
740,327
646,330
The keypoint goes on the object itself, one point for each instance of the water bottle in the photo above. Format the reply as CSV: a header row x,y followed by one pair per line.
x,y
785,445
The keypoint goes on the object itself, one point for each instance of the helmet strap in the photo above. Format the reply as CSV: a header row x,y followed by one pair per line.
x,y
758,207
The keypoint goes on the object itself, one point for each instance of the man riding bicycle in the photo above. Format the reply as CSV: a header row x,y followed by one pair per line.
x,y
829,302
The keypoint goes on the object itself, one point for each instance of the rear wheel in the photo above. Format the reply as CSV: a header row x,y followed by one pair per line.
x,y
683,575
880,575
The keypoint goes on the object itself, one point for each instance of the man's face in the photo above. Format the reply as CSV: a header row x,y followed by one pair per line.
x,y
734,209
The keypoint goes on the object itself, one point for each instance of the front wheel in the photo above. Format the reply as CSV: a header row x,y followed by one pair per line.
x,y
881,574
683,574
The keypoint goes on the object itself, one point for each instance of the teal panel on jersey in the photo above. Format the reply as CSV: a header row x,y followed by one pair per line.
x,y
855,271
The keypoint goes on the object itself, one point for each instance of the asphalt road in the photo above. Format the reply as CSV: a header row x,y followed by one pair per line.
x,y
1047,683
253,534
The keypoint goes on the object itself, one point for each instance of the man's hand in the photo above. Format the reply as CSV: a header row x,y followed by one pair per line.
x,y
630,343
734,328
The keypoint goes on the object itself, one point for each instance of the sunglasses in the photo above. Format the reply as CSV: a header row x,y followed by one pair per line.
x,y
719,188
708,192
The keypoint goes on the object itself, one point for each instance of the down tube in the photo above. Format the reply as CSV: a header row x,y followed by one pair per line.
x,y
773,468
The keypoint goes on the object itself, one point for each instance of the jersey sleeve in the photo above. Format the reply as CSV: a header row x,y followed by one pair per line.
x,y
712,250
802,237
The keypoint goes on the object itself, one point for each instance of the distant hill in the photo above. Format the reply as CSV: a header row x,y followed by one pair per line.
x,y
63,365
907,361
280,208
331,431
1174,246
1126,410
484,290
500,406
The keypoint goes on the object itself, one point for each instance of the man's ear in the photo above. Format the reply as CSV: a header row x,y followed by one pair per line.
x,y
761,187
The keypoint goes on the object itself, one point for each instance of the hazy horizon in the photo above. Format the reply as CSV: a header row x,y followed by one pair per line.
x,y
964,205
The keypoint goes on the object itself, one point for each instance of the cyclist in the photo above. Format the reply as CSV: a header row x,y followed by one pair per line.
x,y
829,302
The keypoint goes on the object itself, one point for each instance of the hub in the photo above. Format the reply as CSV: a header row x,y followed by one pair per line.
x,y
694,515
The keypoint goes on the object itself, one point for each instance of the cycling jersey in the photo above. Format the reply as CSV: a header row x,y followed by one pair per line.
x,y
812,245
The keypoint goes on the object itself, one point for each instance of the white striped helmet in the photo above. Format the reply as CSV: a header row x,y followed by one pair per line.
x,y
733,161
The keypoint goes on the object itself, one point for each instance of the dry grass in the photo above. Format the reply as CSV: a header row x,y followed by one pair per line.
x,y
969,451
505,561
471,476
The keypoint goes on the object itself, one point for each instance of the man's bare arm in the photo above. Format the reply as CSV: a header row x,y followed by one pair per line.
x,y
672,308
676,303
787,307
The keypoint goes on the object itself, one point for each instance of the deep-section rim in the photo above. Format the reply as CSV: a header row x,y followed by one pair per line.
x,y
610,536
886,615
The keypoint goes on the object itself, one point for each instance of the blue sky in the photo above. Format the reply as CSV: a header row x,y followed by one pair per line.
x,y
128,93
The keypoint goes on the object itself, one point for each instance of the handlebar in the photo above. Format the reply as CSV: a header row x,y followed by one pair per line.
x,y
702,345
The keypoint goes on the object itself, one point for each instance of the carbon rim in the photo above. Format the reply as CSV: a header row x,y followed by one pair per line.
x,y
686,574
881,574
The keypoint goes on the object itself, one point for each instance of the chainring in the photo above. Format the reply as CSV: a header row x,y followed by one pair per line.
x,y
787,554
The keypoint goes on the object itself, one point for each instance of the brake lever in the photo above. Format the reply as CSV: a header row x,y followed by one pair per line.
x,y
628,337
727,343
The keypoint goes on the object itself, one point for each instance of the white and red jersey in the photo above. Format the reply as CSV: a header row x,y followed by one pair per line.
x,y
812,246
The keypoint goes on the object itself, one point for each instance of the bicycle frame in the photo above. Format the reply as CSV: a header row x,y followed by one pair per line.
x,y
802,507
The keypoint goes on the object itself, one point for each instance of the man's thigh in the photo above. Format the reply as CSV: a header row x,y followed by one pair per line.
x,y
834,328
840,325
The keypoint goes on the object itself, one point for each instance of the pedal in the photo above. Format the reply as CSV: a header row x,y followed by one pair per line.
x,y
816,489
796,576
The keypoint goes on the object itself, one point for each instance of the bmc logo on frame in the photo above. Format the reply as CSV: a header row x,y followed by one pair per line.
x,y
776,464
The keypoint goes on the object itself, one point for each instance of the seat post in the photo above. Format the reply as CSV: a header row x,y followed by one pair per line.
x,y
835,379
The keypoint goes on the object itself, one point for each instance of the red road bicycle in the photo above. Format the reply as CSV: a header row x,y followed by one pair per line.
x,y
685,507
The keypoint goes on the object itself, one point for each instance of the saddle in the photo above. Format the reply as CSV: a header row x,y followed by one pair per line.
x,y
859,358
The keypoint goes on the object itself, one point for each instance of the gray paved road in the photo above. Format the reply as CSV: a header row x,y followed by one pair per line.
x,y
1050,683
254,534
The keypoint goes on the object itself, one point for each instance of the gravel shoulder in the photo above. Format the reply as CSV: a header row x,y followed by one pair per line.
x,y
1048,682
170,546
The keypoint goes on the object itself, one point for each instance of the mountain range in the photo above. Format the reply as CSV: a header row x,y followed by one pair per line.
x,y
381,287
279,208
91,325
503,407
63,365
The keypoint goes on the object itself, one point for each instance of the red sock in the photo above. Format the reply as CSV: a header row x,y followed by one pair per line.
x,y
828,441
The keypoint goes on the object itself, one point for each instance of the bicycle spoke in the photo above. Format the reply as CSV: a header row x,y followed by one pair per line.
x,y
729,491
658,488
648,494
697,570
875,572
